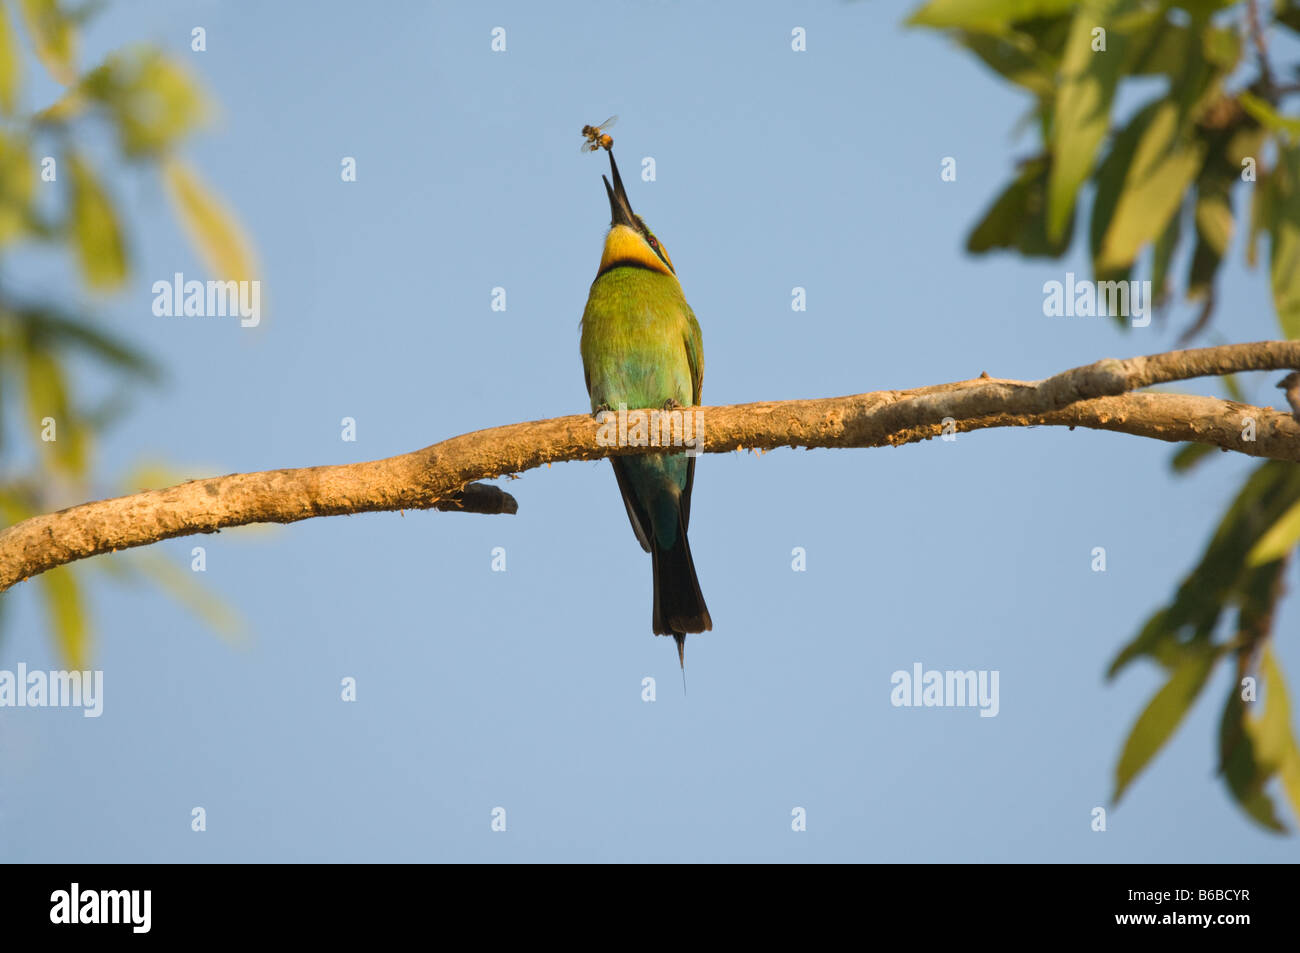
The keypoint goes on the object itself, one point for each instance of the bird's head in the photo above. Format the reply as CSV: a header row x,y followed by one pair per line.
x,y
630,241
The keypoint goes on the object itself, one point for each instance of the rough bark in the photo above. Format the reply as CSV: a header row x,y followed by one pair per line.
x,y
1096,396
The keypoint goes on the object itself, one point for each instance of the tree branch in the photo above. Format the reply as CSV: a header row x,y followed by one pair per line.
x,y
1256,28
442,476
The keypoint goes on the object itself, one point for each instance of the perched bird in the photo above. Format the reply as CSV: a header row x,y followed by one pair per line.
x,y
641,347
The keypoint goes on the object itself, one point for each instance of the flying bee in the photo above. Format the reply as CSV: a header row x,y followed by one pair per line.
x,y
596,136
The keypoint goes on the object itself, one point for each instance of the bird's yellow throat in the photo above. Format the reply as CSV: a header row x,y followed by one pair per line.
x,y
626,246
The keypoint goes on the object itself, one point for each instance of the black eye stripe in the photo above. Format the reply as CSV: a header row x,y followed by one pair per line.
x,y
653,243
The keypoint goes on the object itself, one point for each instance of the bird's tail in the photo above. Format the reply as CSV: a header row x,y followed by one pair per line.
x,y
678,603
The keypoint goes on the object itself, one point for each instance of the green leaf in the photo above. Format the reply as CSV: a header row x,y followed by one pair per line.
x,y
1189,455
60,331
15,504
54,38
1256,595
1165,51
63,110
1204,9
1284,267
1110,178
1222,577
1222,46
1279,539
1239,764
10,65
1083,101
1155,46
1204,267
1157,638
1287,12
1255,748
1163,715
1232,387
67,616
1214,219
152,474
1163,166
1214,228
984,14
1198,85
1017,219
1166,247
211,228
1015,57
1048,34
95,230
181,585
1267,116
17,184
47,397
153,100
1246,141
1273,735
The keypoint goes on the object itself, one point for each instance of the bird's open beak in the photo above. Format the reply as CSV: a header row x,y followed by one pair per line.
x,y
620,209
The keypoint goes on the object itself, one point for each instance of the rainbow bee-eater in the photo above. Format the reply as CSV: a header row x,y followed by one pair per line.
x,y
641,348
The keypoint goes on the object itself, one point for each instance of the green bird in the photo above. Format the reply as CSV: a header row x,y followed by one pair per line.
x,y
641,347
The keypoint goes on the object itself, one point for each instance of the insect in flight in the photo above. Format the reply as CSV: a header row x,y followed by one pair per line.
x,y
596,136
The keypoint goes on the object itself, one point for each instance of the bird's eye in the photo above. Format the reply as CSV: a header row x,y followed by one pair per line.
x,y
653,243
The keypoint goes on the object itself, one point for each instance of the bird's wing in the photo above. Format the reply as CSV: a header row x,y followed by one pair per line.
x,y
636,513
686,493
694,342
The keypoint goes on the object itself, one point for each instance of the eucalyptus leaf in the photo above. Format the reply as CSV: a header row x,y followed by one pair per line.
x,y
1162,716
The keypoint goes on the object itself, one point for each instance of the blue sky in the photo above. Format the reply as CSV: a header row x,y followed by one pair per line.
x,y
522,689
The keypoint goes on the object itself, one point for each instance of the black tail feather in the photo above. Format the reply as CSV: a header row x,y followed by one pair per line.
x,y
678,603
